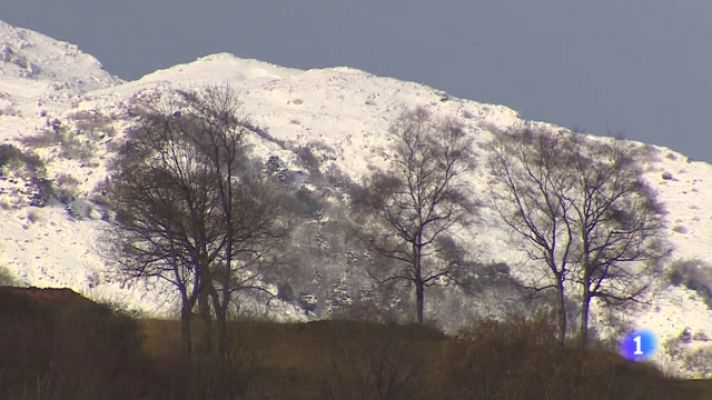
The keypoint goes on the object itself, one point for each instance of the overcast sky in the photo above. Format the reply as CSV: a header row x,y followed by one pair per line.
x,y
641,68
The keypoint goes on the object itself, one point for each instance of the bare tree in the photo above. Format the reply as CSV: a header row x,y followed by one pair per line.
x,y
531,182
162,194
247,203
618,223
419,200
584,211
190,208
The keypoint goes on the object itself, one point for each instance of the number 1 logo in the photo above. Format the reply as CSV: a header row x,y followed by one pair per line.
x,y
639,345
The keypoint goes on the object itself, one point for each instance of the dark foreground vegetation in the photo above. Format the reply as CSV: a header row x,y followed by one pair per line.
x,y
57,345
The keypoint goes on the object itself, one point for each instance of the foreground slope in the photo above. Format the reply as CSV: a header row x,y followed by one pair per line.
x,y
340,114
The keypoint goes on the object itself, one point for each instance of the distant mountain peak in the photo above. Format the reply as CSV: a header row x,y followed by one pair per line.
x,y
26,54
220,68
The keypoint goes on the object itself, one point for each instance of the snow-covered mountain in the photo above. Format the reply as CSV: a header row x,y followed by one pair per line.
x,y
59,103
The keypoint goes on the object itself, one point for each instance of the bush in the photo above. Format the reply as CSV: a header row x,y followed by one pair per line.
x,y
308,160
680,229
65,187
378,361
6,278
520,359
92,124
339,180
32,217
24,163
695,275
70,147
303,203
73,148
274,165
9,153
201,377
45,138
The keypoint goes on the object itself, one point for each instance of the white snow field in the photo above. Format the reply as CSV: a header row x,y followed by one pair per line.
x,y
342,113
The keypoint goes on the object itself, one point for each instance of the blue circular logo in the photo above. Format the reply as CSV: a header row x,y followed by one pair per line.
x,y
639,345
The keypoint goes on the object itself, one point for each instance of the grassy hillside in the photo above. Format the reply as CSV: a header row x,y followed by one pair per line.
x,y
57,345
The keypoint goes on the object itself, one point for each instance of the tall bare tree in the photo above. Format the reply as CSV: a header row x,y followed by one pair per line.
x,y
531,183
248,206
419,201
162,193
618,223
190,208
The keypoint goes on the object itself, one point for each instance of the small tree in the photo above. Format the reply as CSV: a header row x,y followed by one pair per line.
x,y
419,201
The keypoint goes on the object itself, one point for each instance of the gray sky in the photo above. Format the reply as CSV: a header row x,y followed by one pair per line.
x,y
642,68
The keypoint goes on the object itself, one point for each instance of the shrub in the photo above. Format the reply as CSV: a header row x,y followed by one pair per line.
x,y
520,359
32,217
73,148
98,195
308,160
24,163
65,187
273,165
8,153
44,138
6,278
304,203
367,310
695,275
680,229
92,123
649,152
700,361
70,146
378,361
339,180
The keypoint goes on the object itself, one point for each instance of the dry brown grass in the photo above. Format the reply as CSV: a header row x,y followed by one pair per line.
x,y
56,345
521,359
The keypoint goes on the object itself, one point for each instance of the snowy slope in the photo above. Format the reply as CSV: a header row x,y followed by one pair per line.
x,y
37,69
340,113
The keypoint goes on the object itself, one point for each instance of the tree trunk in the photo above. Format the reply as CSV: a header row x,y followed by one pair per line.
x,y
223,337
562,313
186,329
419,299
206,332
585,310
419,284
221,306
